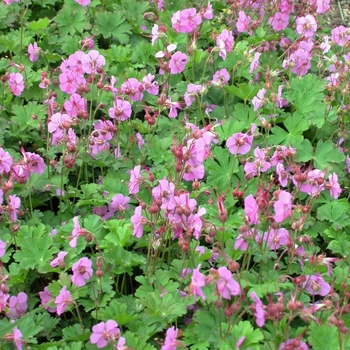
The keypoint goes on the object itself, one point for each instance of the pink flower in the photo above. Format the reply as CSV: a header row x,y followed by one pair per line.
x,y
83,2
135,180
347,162
75,232
155,33
283,206
225,42
35,163
119,203
340,35
17,306
82,271
251,209
63,300
279,21
16,337
197,282
239,143
276,238
59,261
133,89
306,26
121,110
5,162
259,100
300,345
46,297
177,62
92,62
243,22
323,6
2,248
226,285
104,333
255,63
221,78
33,51
208,11
259,312
75,105
138,221
316,285
16,83
170,342
333,186
14,204
186,21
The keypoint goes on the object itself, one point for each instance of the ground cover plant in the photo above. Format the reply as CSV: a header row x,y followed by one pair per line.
x,y
174,175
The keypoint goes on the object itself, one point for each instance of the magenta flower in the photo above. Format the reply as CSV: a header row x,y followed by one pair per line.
x,y
59,261
92,62
170,342
3,299
138,221
197,283
75,105
35,163
316,285
33,51
63,300
226,285
46,298
5,162
82,272
259,312
177,62
283,207
17,306
2,248
133,89
104,333
16,83
239,143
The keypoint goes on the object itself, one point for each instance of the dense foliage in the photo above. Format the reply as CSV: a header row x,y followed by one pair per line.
x,y
174,175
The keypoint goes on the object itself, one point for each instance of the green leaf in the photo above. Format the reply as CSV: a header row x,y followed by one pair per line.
x,y
72,20
323,337
304,151
295,125
220,168
112,24
245,329
332,211
120,232
36,251
39,26
27,117
244,91
326,155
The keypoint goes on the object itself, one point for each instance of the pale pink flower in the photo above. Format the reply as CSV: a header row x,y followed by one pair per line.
x,y
283,206
279,21
226,285
259,312
171,342
83,2
2,248
82,272
197,283
251,209
63,300
239,143
33,51
17,305
178,62
5,161
59,261
138,221
306,26
105,332
92,61
16,83
46,297
333,185
316,285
